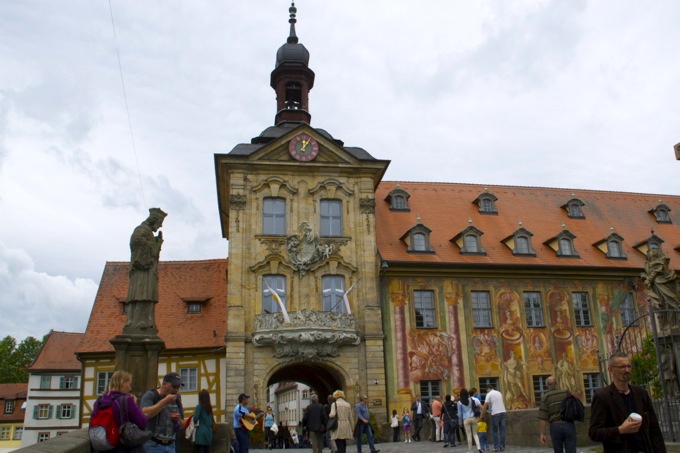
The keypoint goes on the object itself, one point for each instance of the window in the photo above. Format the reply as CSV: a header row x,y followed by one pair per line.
x,y
581,308
274,216
42,411
540,388
194,308
614,249
574,210
42,437
487,205
533,309
276,283
190,378
484,383
103,381
398,202
331,218
521,245
5,432
423,302
566,247
18,433
628,316
661,212
45,382
430,389
481,309
305,394
471,244
9,407
65,411
591,382
68,382
419,242
418,239
398,199
333,288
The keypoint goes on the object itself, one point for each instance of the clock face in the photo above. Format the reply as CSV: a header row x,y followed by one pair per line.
x,y
303,148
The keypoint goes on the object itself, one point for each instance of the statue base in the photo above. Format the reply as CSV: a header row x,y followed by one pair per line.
x,y
139,356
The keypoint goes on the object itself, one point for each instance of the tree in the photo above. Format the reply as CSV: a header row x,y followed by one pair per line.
x,y
15,360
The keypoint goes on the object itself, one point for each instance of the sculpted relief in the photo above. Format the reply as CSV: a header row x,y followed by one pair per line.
x,y
305,249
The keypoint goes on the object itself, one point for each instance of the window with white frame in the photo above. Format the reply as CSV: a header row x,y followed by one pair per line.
x,y
581,308
274,216
9,406
423,304
331,218
540,387
481,308
65,411
5,432
277,284
533,308
68,382
103,378
42,437
45,382
189,377
591,382
628,316
430,389
332,290
18,433
42,411
471,242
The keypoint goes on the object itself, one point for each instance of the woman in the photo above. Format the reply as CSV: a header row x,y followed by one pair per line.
x,y
203,419
395,426
466,417
118,391
269,435
343,412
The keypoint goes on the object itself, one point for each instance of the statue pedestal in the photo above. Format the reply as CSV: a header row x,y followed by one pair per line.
x,y
138,355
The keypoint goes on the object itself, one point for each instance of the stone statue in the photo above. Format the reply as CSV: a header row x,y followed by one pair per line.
x,y
661,281
305,249
143,288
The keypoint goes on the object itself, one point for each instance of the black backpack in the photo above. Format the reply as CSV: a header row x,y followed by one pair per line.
x,y
572,409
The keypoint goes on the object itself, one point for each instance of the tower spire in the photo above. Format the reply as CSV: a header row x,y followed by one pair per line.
x,y
292,39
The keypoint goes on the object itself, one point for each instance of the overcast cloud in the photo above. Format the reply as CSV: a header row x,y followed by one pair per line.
x,y
578,94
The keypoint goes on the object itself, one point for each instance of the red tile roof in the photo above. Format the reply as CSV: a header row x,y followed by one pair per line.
x,y
447,208
179,282
13,391
58,352
17,393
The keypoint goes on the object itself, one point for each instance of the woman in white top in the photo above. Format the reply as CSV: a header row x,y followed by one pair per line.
x,y
466,417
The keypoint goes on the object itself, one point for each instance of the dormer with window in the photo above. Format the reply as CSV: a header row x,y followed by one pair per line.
x,y
574,208
520,242
469,241
417,239
398,199
195,304
563,244
612,247
652,242
662,213
486,203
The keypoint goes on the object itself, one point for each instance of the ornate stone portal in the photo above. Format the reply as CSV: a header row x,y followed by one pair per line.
x,y
311,334
305,249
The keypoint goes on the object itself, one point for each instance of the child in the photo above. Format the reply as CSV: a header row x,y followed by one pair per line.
x,y
481,431
395,426
406,422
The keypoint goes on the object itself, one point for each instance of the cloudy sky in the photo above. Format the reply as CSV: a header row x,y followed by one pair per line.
x,y
575,94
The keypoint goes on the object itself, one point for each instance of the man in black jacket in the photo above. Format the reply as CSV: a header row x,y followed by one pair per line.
x,y
315,420
421,410
622,416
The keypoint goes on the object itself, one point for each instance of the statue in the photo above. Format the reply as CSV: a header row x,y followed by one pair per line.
x,y
661,281
143,287
305,249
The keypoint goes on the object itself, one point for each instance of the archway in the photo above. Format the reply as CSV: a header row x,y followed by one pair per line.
x,y
320,377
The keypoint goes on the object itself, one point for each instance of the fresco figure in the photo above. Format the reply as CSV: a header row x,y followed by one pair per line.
x,y
565,374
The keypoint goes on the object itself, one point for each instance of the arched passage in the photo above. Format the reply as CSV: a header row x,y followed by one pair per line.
x,y
322,378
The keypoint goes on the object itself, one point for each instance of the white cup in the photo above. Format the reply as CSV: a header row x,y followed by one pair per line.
x,y
635,416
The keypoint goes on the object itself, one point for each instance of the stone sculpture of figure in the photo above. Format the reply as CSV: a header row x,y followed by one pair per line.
x,y
661,281
668,373
143,286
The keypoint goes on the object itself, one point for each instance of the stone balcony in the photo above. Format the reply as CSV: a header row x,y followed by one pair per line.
x,y
309,335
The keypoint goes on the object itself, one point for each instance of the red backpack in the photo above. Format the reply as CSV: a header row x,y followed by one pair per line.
x,y
103,431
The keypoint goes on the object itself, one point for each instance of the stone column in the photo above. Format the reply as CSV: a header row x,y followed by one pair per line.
x,y
138,355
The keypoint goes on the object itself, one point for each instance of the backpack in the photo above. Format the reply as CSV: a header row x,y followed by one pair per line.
x,y
572,409
103,431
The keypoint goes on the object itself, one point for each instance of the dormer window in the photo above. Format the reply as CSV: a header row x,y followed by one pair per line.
x,y
563,244
652,242
417,239
486,202
398,199
195,304
612,246
520,243
566,247
574,208
469,241
662,213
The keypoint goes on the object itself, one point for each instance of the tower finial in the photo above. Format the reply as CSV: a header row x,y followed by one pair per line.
x,y
292,39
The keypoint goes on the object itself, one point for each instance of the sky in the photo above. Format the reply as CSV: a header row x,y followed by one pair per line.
x,y
571,94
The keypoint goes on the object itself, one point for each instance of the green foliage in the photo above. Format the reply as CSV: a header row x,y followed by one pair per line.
x,y
15,359
646,368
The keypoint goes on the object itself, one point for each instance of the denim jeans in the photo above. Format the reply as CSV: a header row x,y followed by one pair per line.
x,y
563,435
152,446
498,423
243,438
365,428
450,428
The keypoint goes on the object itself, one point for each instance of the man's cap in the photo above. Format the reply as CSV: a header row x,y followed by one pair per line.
x,y
173,378
242,397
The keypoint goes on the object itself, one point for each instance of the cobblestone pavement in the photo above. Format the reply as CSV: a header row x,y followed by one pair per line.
x,y
427,447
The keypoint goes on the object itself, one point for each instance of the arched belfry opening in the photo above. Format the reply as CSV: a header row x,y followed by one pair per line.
x,y
320,377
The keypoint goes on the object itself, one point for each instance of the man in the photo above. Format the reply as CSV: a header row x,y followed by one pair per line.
x,y
494,404
562,433
242,432
450,411
420,410
314,421
610,420
163,407
363,425
436,418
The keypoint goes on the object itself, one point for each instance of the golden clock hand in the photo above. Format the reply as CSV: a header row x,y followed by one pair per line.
x,y
304,145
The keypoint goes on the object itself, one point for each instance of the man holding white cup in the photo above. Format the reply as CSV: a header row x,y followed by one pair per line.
x,y
615,418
